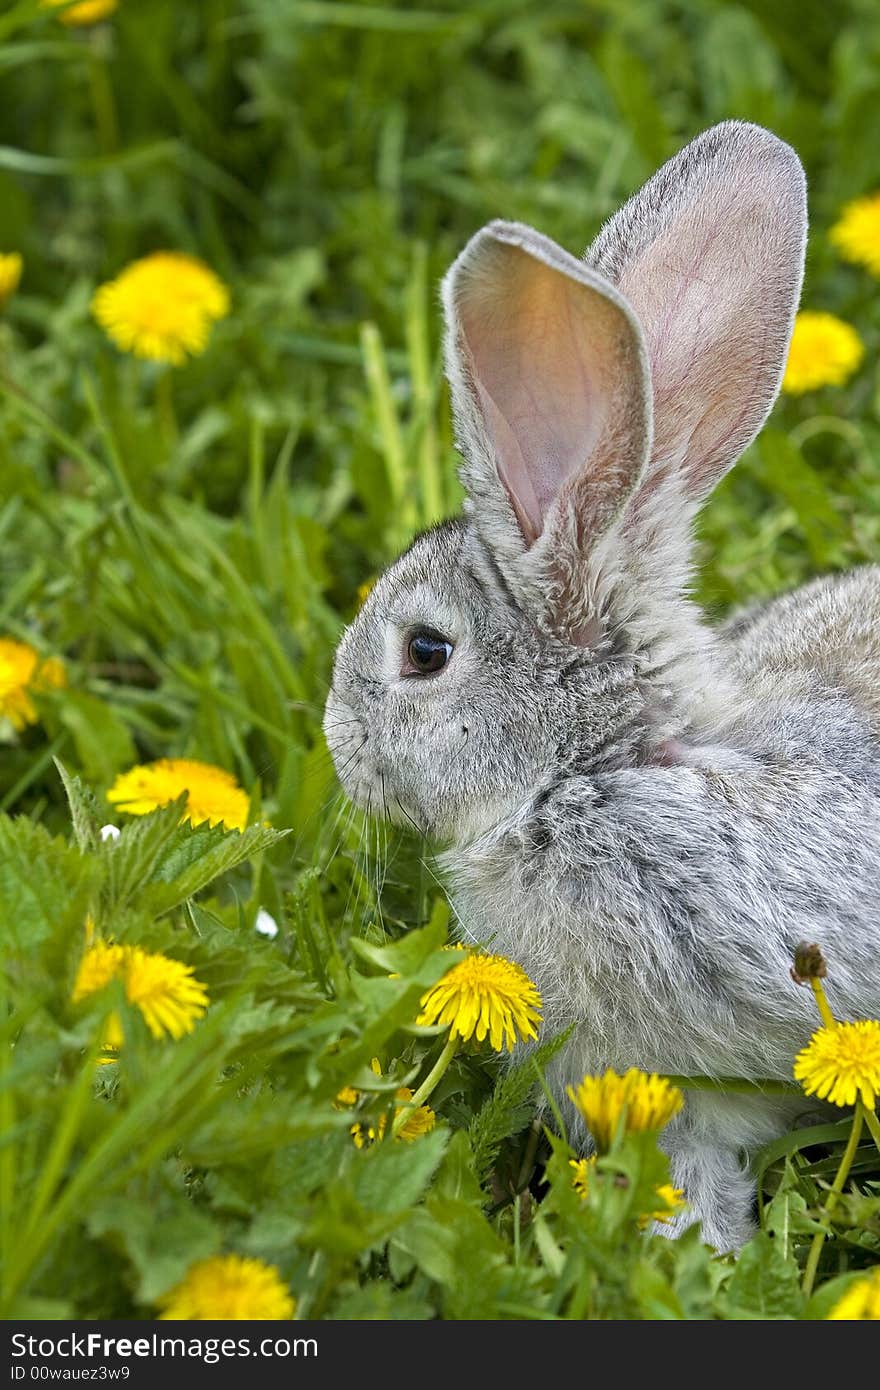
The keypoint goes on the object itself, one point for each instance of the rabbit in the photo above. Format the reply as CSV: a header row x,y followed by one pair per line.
x,y
645,812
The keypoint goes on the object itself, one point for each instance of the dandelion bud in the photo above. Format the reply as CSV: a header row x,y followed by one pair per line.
x,y
809,963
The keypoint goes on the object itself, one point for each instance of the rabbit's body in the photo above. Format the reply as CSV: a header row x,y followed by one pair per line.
x,y
678,894
645,813
827,633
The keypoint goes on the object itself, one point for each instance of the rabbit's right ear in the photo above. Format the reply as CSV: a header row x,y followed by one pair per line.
x,y
552,404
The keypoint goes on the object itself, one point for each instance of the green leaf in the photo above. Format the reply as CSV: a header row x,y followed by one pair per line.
x,y
255,1127
394,1174
44,885
341,1226
380,1303
508,1108
406,955
829,1294
207,858
132,859
85,812
454,1244
102,741
160,1239
456,1177
764,1283
782,468
795,1141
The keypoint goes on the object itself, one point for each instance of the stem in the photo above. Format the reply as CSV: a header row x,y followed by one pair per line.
x,y
873,1125
165,408
849,1154
827,1016
103,103
426,1087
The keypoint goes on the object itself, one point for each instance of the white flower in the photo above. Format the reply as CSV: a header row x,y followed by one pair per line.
x,y
265,923
110,832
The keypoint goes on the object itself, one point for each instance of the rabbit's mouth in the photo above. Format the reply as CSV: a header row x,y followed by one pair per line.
x,y
364,779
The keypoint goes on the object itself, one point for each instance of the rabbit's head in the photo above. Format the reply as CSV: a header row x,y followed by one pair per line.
x,y
597,402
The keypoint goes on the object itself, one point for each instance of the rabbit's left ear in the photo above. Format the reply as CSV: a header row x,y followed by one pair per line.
x,y
551,397
710,254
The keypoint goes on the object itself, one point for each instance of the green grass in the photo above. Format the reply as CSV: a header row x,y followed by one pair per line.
x,y
191,544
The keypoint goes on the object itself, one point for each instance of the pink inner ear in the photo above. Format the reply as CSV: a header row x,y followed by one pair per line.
x,y
554,366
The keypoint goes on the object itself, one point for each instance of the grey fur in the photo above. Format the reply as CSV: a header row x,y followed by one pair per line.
x,y
647,814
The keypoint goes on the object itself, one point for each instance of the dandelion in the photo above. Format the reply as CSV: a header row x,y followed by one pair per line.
x,y
85,12
171,1000
485,996
11,266
861,1302
824,351
162,307
409,1122
418,1122
643,1101
100,964
23,674
580,1177
228,1288
856,235
671,1200
841,1064
364,591
213,795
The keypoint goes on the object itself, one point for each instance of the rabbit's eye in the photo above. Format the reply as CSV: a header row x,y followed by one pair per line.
x,y
427,653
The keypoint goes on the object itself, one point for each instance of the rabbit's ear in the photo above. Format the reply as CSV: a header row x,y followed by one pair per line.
x,y
549,385
710,255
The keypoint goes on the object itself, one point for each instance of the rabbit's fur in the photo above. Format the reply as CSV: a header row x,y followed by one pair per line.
x,y
646,813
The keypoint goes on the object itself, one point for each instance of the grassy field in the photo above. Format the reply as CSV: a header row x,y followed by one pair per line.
x,y
188,541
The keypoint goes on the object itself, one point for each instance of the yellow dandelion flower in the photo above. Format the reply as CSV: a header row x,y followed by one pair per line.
x,y
167,993
580,1177
861,1302
162,307
228,1288
101,963
672,1201
84,12
170,998
671,1198
21,675
842,1064
646,1102
11,266
420,1121
856,235
213,795
485,996
824,351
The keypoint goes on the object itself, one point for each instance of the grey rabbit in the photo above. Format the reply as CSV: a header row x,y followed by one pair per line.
x,y
647,813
